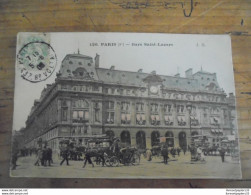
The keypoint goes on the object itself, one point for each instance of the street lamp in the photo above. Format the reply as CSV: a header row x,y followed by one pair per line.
x,y
192,147
189,108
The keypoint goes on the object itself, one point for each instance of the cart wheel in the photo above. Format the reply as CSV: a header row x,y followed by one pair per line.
x,y
114,162
107,162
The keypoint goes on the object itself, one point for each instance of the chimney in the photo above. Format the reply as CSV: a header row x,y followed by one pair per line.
x,y
140,70
112,68
97,61
189,73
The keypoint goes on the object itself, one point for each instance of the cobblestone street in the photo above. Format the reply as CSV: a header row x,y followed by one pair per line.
x,y
179,167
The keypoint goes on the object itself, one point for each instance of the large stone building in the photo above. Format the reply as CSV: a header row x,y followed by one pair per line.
x,y
87,100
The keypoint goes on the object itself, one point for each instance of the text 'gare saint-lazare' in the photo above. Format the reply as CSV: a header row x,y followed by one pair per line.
x,y
87,100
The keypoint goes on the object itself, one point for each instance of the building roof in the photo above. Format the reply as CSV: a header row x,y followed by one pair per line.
x,y
71,64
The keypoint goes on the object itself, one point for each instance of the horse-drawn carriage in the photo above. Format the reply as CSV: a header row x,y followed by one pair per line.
x,y
112,152
75,151
126,156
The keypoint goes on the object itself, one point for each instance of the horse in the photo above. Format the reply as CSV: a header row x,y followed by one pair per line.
x,y
93,153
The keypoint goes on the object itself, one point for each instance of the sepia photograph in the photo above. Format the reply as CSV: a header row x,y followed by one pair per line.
x,y
124,105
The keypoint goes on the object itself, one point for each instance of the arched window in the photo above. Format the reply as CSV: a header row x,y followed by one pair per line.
x,y
183,140
169,138
141,140
155,135
125,138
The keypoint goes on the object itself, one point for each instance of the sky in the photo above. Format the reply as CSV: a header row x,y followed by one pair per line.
x,y
211,53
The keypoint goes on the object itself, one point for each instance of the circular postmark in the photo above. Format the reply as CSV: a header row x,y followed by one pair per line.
x,y
36,61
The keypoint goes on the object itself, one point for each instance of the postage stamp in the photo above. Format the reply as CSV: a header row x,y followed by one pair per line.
x,y
36,61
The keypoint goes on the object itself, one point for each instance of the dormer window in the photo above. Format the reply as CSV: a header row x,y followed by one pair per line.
x,y
81,74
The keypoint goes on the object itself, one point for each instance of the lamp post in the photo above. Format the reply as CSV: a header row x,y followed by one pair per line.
x,y
189,108
192,147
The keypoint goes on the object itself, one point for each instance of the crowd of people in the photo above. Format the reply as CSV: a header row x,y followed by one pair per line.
x,y
68,152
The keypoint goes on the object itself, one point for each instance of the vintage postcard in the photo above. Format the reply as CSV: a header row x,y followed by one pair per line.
x,y
124,105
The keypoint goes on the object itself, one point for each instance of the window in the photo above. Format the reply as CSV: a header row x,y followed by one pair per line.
x,y
80,111
154,107
95,88
140,113
180,109
155,118
97,112
110,117
125,113
64,114
110,112
80,115
140,107
111,105
80,63
168,120
106,90
140,119
167,108
70,62
181,121
64,86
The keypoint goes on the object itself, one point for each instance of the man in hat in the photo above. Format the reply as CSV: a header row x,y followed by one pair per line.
x,y
65,153
222,153
164,153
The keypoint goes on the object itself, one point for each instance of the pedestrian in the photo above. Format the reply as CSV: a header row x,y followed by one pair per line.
x,y
178,151
44,156
65,153
148,154
14,159
39,157
88,158
164,153
222,154
173,152
184,149
49,156
199,152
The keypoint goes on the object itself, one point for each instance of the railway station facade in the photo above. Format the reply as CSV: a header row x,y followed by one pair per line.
x,y
139,108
